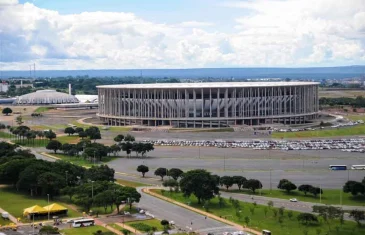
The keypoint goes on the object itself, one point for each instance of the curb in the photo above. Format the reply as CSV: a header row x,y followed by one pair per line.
x,y
209,215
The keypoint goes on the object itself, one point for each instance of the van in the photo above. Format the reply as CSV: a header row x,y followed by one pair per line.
x,y
5,215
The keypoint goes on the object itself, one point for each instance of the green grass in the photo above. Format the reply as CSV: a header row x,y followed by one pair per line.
x,y
118,129
15,202
151,222
79,160
131,183
72,139
259,221
329,196
4,222
117,227
83,231
6,135
43,142
42,109
356,117
343,131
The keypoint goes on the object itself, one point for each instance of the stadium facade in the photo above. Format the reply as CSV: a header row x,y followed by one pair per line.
x,y
201,105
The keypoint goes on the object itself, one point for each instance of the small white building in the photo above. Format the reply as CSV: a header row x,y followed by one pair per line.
x,y
4,87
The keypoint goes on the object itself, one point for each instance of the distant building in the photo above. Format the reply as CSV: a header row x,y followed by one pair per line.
x,y
45,97
23,85
4,87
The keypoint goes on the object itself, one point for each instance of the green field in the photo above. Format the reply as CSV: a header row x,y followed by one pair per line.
x,y
83,231
343,131
42,109
151,222
15,202
6,135
356,117
81,161
259,221
4,222
131,183
329,196
43,142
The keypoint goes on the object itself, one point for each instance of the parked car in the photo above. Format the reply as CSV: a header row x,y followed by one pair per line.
x,y
293,200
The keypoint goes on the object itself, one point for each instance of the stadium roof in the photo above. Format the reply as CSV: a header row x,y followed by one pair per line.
x,y
46,97
208,85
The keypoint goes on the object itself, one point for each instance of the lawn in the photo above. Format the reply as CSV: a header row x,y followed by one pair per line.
x,y
83,231
356,117
42,109
16,202
258,220
4,222
131,183
79,160
43,142
343,131
329,196
6,135
151,223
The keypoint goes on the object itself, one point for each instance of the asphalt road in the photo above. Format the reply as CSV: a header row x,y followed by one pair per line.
x,y
183,218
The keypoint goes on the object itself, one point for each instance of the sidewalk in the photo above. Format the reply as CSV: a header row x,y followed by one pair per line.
x,y
147,190
12,218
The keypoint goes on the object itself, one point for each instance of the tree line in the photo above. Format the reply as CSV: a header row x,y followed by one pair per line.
x,y
85,187
358,102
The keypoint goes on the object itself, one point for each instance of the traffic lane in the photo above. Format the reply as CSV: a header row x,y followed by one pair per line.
x,y
182,217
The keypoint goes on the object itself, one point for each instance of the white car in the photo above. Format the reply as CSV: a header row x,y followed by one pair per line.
x,y
293,200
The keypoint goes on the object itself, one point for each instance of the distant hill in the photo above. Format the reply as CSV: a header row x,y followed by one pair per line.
x,y
293,73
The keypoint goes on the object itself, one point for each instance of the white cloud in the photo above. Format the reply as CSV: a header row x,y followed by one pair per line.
x,y
8,2
273,33
194,24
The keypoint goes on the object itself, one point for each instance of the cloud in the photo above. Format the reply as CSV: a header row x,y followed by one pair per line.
x,y
195,24
269,33
8,2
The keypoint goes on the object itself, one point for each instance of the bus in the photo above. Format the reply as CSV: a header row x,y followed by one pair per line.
x,y
83,223
338,167
358,167
266,232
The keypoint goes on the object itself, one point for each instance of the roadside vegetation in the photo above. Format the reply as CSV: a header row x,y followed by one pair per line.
x,y
93,230
131,183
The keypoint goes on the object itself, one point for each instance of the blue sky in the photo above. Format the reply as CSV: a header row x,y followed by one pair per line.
x,y
113,34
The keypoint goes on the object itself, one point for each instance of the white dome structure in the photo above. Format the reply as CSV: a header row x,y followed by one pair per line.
x,y
46,97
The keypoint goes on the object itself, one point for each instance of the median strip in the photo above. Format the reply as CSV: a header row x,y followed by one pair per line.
x,y
209,215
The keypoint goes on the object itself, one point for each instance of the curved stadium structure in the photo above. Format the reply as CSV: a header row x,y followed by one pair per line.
x,y
44,97
208,104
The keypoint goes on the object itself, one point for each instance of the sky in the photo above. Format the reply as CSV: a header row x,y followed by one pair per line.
x,y
158,34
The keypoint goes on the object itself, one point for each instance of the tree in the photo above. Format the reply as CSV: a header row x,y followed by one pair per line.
x,y
129,138
69,191
306,218
290,214
82,134
165,224
328,213
143,169
253,184
50,135
315,191
305,188
54,145
170,183
19,120
7,111
162,172
79,129
200,183
175,173
119,138
289,186
127,147
93,132
247,220
51,183
358,216
104,199
69,131
100,173
227,181
354,188
239,181
10,171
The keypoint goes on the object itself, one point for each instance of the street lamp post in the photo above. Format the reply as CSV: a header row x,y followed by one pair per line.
x,y
224,162
199,151
48,205
270,180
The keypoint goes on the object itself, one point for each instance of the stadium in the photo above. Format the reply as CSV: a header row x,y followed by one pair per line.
x,y
208,105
